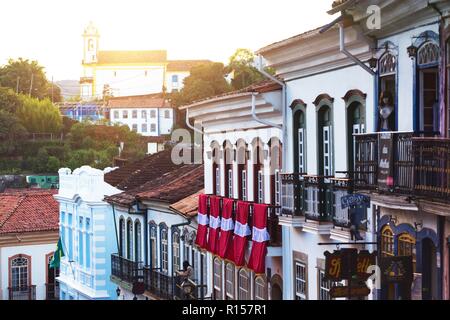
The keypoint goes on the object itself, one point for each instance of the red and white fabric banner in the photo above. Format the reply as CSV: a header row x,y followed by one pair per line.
x,y
214,224
241,231
260,237
226,230
203,221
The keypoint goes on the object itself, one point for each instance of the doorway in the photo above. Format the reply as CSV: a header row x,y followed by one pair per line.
x,y
429,272
429,100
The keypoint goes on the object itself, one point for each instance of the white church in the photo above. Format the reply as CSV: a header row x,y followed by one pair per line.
x,y
128,73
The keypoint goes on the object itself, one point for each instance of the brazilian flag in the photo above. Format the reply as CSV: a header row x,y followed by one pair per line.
x,y
57,256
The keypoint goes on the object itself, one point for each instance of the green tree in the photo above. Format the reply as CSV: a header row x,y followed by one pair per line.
x,y
10,126
205,80
28,77
53,164
39,116
9,100
241,65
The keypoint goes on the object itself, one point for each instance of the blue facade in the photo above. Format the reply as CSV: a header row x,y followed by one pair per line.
x,y
86,229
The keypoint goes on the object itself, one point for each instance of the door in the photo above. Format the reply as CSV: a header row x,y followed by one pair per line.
x,y
277,293
327,151
355,125
428,269
429,100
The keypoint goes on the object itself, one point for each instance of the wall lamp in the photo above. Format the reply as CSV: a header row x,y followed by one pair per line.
x,y
393,219
418,225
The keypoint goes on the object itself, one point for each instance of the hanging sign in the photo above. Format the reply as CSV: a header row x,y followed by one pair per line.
x,y
356,199
346,292
397,269
385,164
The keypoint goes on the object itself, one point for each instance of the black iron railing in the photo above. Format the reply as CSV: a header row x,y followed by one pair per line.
x,y
126,270
420,166
22,293
318,198
52,291
432,167
292,194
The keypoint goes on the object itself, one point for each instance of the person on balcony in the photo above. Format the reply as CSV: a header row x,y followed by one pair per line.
x,y
184,278
187,271
386,110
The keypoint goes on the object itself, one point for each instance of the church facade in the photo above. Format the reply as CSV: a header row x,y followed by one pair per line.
x,y
128,73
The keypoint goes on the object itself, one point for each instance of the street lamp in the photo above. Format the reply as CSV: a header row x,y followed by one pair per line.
x,y
118,291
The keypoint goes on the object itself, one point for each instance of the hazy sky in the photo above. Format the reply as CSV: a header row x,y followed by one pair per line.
x,y
50,30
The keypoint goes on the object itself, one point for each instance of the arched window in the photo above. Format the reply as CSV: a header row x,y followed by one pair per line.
x,y
356,124
137,241
258,171
129,239
217,279
186,246
387,68
91,44
325,134
20,272
387,242
244,285
299,125
215,149
241,159
428,116
387,64
260,288
228,174
153,244
176,251
275,168
122,237
407,247
164,249
428,53
229,281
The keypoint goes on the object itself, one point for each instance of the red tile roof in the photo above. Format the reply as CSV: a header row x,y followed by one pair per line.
x,y
140,172
170,187
144,57
188,206
155,100
175,185
184,65
28,211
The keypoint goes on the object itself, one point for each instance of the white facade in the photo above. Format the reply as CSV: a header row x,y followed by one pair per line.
x,y
146,121
230,130
86,229
38,256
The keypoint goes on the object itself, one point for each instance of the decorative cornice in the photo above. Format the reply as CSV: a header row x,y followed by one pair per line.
x,y
354,92
321,97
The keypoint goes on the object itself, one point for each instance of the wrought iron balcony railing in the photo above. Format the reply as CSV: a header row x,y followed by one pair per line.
x,y
418,166
166,287
126,270
22,293
52,291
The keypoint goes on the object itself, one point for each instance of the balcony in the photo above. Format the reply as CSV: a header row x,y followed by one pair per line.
x,y
162,286
125,270
407,165
314,202
22,293
52,291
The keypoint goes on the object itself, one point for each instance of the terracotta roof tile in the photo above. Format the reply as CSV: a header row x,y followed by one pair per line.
x,y
148,56
28,211
170,187
140,172
188,206
142,101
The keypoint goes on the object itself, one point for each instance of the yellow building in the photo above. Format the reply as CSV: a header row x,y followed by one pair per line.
x,y
128,73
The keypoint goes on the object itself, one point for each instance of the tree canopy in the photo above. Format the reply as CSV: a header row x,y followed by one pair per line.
x,y
28,78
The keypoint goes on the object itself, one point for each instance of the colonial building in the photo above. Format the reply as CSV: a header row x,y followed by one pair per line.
x,y
85,226
128,73
155,234
28,238
238,223
86,223
336,78
149,115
